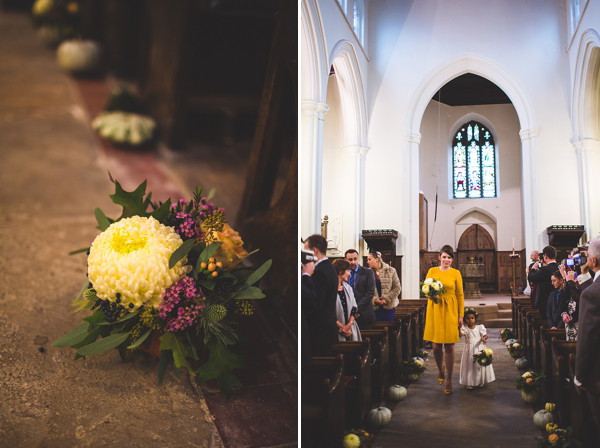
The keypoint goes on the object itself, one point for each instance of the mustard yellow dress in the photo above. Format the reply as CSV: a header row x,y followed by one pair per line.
x,y
441,323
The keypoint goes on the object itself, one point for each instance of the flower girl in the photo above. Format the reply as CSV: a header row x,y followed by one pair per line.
x,y
471,372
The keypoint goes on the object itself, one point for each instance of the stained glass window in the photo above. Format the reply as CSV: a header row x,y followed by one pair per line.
x,y
474,162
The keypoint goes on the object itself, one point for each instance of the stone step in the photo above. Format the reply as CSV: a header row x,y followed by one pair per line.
x,y
498,323
505,306
506,314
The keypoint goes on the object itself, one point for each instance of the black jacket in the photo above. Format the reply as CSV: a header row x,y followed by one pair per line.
x,y
364,288
554,310
587,358
322,329
543,285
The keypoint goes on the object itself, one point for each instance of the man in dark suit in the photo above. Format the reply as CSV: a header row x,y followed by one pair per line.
x,y
541,276
587,358
362,281
557,302
322,328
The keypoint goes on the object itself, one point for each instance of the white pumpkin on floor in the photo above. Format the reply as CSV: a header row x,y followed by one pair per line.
x,y
542,418
522,363
396,393
418,358
380,416
510,341
123,127
78,56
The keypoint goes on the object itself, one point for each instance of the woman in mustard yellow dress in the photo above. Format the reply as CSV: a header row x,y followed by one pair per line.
x,y
445,317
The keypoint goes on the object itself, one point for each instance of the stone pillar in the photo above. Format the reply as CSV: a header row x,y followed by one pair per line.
x,y
529,189
311,168
588,160
410,241
354,215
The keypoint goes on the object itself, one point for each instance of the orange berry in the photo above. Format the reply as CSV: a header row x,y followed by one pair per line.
x,y
219,264
211,266
211,259
214,274
203,265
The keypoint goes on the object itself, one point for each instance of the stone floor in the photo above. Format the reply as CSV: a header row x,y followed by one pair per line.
x,y
494,416
53,174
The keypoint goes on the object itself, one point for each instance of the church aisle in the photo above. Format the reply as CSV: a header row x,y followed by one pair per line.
x,y
494,416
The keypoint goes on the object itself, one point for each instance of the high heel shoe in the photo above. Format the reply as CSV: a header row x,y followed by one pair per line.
x,y
447,391
441,380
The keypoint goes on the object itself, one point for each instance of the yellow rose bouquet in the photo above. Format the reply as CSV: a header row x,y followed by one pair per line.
x,y
166,279
432,288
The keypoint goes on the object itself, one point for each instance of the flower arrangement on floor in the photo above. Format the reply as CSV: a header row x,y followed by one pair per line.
x,y
558,438
168,279
506,334
530,381
412,370
432,288
484,357
515,349
357,438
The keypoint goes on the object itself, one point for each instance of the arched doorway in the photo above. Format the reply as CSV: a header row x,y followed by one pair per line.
x,y
477,243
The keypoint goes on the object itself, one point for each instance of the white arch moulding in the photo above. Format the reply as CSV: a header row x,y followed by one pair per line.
x,y
585,115
314,70
354,112
467,63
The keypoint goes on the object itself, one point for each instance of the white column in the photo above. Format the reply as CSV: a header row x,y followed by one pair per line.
x,y
354,209
588,159
529,189
410,242
311,167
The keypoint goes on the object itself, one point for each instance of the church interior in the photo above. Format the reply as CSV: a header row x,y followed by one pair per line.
x,y
465,123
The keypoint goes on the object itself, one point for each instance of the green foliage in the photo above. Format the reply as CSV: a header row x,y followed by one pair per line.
x,y
531,381
103,222
252,292
141,339
131,201
181,252
219,366
103,344
74,336
169,341
560,438
207,253
81,304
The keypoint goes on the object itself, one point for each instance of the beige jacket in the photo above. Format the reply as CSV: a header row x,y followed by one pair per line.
x,y
390,287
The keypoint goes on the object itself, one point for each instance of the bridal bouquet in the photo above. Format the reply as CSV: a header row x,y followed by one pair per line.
x,y
432,288
167,280
484,357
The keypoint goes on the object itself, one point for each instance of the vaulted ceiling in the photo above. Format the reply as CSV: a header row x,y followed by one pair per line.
x,y
470,89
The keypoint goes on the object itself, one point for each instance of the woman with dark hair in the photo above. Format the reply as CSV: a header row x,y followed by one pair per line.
x,y
387,288
444,318
346,307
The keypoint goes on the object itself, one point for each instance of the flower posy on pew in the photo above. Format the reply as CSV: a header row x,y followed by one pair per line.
x,y
432,288
170,277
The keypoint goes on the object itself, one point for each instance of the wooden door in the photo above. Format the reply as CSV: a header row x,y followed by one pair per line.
x,y
476,242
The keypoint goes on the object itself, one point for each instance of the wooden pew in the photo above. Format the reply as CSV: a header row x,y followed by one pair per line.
x,y
420,304
323,401
538,324
413,315
560,372
395,342
380,364
407,331
546,335
530,317
522,325
357,379
515,302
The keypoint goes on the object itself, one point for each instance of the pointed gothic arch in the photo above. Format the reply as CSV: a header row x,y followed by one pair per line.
x,y
468,63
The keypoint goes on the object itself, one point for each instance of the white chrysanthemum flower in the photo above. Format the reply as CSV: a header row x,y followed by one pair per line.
x,y
131,257
425,289
436,286
428,281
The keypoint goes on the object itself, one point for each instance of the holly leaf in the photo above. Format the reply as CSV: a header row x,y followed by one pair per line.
x,y
161,213
131,201
103,221
221,362
168,341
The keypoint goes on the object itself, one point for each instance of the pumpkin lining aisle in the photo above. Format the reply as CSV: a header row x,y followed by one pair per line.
x,y
428,418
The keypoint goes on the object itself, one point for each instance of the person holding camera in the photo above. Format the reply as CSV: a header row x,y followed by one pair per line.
x,y
542,277
362,281
575,272
321,325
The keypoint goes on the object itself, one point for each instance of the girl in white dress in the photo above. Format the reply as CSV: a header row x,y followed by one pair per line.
x,y
471,373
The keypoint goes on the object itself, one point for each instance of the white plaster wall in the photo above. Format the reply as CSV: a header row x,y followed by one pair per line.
x,y
505,220
590,20
528,40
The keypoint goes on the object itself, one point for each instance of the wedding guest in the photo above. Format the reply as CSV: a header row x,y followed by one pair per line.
x,y
541,276
443,319
574,286
321,322
472,373
362,281
534,256
587,358
557,302
346,308
387,288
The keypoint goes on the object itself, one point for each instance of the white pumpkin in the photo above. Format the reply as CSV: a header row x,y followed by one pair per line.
x,y
418,358
123,127
396,393
77,56
542,418
510,341
522,363
531,397
351,441
379,417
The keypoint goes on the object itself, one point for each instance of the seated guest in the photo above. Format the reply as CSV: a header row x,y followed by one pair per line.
x,y
387,288
362,282
346,304
557,302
